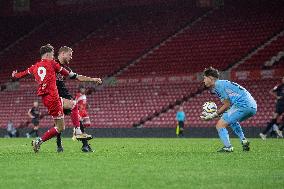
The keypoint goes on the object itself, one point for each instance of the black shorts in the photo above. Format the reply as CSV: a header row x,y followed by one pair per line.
x,y
35,122
66,95
279,108
181,124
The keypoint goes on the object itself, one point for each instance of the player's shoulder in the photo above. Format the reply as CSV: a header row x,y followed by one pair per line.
x,y
220,82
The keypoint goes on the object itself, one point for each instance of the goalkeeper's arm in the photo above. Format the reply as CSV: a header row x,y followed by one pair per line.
x,y
209,116
226,106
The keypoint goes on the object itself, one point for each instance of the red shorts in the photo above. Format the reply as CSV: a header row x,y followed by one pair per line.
x,y
54,106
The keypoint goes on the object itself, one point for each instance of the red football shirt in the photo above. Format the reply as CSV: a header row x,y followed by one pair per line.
x,y
81,101
44,73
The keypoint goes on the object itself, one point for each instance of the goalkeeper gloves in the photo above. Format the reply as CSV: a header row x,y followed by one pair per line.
x,y
208,116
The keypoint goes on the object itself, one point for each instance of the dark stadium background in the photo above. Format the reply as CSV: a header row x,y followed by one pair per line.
x,y
150,53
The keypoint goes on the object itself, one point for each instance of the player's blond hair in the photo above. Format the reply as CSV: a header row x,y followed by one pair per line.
x,y
64,49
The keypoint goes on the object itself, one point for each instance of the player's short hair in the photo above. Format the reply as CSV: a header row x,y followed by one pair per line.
x,y
211,72
64,49
46,49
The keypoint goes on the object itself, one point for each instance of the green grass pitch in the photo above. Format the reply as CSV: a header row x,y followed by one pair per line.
x,y
142,163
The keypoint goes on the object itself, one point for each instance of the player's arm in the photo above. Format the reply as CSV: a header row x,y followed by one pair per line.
x,y
88,79
226,105
18,75
73,75
30,114
225,100
273,92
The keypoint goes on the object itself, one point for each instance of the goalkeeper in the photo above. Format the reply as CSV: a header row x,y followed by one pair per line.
x,y
238,105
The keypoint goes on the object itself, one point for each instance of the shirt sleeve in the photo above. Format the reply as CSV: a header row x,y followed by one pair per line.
x,y
221,92
23,73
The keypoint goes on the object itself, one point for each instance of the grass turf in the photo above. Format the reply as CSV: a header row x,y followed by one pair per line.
x,y
142,163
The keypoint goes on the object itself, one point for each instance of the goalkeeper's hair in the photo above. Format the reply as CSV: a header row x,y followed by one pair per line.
x,y
211,72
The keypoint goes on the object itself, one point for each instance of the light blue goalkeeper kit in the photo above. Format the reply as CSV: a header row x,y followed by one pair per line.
x,y
242,107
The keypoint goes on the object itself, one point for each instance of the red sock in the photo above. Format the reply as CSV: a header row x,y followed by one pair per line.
x,y
49,134
75,116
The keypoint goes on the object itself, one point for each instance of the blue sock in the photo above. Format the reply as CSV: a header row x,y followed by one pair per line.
x,y
224,136
238,130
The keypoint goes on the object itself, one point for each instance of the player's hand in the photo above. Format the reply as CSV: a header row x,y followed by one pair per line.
x,y
207,117
14,73
97,80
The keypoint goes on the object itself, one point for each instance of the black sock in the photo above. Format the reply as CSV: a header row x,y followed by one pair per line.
x,y
82,127
269,126
58,140
84,142
282,127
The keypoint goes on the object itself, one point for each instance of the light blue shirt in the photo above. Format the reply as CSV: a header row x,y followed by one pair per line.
x,y
180,116
236,94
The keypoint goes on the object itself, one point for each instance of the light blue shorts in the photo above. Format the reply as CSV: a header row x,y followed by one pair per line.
x,y
238,114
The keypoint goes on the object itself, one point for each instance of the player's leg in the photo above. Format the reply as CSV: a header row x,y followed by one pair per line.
x,y
59,143
279,109
78,134
269,126
86,146
67,106
276,131
54,106
86,121
239,115
36,130
181,128
277,125
71,105
229,117
32,131
238,130
54,131
281,125
224,136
